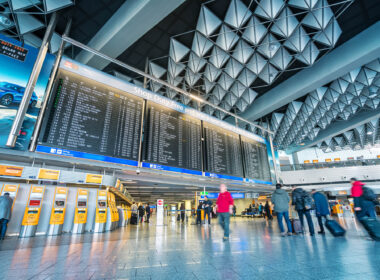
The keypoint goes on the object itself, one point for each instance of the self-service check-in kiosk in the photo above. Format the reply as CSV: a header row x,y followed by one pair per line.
x,y
58,211
80,216
101,211
12,189
122,216
112,213
32,211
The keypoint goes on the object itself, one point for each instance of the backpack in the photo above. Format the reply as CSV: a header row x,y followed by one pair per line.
x,y
368,194
308,202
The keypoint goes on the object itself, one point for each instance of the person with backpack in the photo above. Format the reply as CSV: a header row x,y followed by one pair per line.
x,y
303,204
364,200
322,208
147,211
280,199
267,211
141,211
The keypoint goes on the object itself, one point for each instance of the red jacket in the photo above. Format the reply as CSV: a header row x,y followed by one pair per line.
x,y
357,189
224,201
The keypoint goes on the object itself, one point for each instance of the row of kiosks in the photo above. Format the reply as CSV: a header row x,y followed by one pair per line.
x,y
106,216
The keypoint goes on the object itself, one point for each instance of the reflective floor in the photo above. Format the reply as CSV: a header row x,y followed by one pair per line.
x,y
176,251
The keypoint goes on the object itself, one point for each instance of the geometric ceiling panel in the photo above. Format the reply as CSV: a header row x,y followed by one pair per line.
x,y
234,53
242,52
226,38
201,45
338,100
218,57
254,31
269,8
207,21
233,68
286,24
269,46
237,14
177,50
320,16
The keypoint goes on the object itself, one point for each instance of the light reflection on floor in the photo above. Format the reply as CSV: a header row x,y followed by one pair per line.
x,y
185,251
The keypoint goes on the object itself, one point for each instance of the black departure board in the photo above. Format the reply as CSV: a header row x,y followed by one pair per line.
x,y
88,116
255,155
171,138
222,151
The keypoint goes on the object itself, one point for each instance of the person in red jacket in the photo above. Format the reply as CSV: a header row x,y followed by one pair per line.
x,y
363,208
224,207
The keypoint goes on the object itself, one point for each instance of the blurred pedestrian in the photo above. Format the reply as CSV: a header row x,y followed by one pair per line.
x,y
224,206
322,208
280,199
6,203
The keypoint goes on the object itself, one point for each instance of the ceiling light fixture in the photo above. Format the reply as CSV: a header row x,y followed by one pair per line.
x,y
369,133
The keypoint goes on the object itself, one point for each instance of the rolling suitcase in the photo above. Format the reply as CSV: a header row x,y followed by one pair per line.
x,y
134,219
335,228
372,225
296,226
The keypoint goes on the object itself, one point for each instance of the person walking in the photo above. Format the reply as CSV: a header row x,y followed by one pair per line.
x,y
300,198
134,215
6,203
182,208
147,211
207,204
234,210
280,199
363,207
141,211
267,211
322,208
224,205
199,213
261,209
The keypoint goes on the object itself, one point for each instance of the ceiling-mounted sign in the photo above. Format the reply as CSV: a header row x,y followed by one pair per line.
x,y
94,178
13,51
328,159
336,159
48,174
14,171
204,193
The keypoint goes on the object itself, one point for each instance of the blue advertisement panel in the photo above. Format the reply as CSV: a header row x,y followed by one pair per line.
x,y
16,64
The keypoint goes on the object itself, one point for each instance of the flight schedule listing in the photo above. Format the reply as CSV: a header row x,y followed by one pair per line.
x,y
87,116
256,164
222,151
171,138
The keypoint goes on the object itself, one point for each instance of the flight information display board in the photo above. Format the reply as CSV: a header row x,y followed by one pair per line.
x,y
86,118
255,158
171,139
222,152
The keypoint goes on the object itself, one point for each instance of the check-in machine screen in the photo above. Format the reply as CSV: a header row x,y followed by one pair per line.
x,y
82,203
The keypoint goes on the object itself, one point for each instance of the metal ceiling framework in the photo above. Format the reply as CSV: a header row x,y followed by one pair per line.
x,y
249,48
339,101
22,18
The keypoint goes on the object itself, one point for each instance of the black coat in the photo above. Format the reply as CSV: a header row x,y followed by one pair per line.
x,y
141,211
298,199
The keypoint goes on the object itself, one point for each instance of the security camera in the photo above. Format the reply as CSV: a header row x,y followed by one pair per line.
x,y
137,171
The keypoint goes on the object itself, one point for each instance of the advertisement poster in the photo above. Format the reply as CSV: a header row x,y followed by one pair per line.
x,y
16,64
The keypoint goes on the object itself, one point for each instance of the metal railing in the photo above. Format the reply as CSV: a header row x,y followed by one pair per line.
x,y
334,164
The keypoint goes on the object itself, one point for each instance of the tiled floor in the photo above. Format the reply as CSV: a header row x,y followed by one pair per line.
x,y
175,251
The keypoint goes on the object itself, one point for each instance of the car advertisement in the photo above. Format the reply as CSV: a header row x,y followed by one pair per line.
x,y
16,64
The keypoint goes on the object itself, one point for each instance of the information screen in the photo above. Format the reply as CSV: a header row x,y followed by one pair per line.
x,y
92,118
222,151
256,164
171,138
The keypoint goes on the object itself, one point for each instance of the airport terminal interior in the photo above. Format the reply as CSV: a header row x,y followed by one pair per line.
x,y
190,139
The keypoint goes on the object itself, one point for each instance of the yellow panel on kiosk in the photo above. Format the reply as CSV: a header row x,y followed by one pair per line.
x,y
94,178
12,189
58,210
80,216
13,171
48,174
115,216
33,208
101,207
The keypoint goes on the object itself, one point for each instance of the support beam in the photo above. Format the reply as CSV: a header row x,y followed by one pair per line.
x,y
356,52
131,21
337,128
